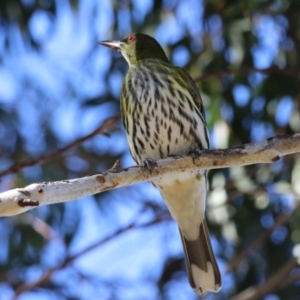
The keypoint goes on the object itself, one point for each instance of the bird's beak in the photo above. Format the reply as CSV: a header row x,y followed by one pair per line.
x,y
115,45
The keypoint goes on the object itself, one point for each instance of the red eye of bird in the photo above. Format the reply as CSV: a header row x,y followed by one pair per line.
x,y
131,38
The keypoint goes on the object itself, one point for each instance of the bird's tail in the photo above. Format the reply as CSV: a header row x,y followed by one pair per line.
x,y
202,268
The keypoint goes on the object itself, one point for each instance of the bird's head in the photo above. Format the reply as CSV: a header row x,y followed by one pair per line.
x,y
137,46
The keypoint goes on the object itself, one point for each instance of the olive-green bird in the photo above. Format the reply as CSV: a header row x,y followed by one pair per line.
x,y
163,115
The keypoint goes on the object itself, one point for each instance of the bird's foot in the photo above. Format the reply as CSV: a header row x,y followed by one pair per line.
x,y
194,153
150,164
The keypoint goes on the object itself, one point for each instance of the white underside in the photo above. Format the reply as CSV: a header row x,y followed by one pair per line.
x,y
185,196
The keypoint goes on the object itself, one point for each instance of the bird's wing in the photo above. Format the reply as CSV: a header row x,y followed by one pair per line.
x,y
194,91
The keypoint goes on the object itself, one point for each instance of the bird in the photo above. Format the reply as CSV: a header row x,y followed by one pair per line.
x,y
163,115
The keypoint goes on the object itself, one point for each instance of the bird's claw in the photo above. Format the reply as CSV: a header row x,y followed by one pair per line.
x,y
194,153
150,164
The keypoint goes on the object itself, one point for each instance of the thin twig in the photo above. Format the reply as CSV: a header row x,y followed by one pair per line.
x,y
256,292
287,281
280,220
246,70
46,277
108,124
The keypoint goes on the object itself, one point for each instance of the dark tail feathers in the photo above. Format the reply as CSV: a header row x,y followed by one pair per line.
x,y
202,268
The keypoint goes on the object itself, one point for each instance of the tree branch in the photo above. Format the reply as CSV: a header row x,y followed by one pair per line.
x,y
260,239
22,199
247,70
107,125
69,259
256,292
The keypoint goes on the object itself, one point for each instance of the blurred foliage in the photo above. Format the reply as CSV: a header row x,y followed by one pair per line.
x,y
56,85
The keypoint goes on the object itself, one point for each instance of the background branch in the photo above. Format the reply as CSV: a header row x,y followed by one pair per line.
x,y
69,259
253,293
260,239
108,124
247,70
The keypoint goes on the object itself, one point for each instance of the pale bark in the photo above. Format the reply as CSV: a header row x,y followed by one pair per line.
x,y
19,200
